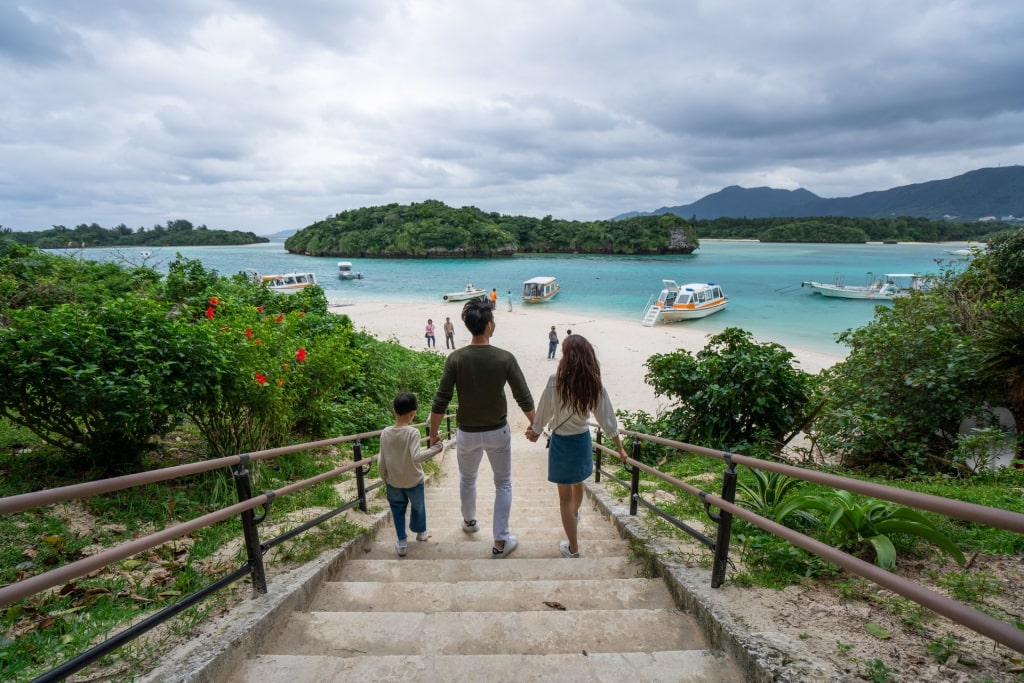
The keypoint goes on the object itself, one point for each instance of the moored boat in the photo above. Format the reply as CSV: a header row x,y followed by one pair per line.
x,y
285,283
885,288
539,289
470,292
685,302
345,271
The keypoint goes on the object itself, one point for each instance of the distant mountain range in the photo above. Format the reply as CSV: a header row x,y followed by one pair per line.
x,y
976,195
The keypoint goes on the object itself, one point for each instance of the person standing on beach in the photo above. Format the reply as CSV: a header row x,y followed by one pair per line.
x,y
572,394
429,333
494,297
449,334
552,343
400,468
479,372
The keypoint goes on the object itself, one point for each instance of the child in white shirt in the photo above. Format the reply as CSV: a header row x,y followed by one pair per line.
x,y
400,468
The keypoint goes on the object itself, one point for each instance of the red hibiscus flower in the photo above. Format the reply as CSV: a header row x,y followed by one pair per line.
x,y
209,313
259,308
279,318
300,355
261,379
214,301
248,333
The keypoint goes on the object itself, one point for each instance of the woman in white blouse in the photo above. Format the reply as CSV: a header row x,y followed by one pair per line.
x,y
571,396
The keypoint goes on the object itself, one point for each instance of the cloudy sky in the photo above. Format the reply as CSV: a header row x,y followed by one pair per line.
x,y
265,115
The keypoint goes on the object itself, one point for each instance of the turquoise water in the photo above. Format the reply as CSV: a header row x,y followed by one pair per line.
x,y
761,280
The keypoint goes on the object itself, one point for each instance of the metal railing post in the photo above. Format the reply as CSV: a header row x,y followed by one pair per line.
x,y
253,551
597,458
724,526
634,483
357,455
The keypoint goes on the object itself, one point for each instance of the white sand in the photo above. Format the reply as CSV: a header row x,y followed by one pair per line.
x,y
623,347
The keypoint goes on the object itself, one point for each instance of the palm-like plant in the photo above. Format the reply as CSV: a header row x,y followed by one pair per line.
x,y
766,494
870,523
1002,337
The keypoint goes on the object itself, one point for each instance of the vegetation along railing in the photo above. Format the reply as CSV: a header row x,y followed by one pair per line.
x,y
245,508
993,628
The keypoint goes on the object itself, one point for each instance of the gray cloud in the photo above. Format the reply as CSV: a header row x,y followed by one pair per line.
x,y
263,115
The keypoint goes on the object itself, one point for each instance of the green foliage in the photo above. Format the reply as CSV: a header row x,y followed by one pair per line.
x,y
432,229
733,392
1005,259
898,398
764,493
854,525
176,233
108,379
814,231
901,228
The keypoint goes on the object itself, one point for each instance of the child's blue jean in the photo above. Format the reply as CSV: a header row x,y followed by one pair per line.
x,y
413,498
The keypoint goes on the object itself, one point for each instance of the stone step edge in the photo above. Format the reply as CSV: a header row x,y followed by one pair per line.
x,y
680,666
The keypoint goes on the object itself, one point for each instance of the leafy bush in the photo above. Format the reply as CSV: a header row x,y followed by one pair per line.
x,y
108,379
853,525
733,392
898,399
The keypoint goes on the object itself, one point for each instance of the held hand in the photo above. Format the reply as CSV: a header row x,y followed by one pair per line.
x,y
434,438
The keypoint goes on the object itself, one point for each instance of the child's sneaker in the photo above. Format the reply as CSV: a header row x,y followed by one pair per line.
x,y
422,535
470,527
401,547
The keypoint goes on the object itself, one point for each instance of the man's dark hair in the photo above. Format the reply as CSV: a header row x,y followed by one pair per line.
x,y
476,314
405,403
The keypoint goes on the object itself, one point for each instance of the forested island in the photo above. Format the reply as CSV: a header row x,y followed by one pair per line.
x,y
431,229
178,233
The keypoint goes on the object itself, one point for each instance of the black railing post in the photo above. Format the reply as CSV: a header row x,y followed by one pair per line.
x,y
597,458
357,455
724,525
249,531
634,484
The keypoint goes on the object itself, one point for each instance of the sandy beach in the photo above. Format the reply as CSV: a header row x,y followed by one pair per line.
x,y
623,347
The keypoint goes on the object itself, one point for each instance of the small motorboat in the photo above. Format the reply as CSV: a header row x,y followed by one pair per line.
x,y
285,283
470,292
539,289
884,288
685,302
345,271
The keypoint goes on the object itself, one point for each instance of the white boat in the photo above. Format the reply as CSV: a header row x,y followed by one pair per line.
x,y
539,289
470,292
345,271
285,283
885,288
685,302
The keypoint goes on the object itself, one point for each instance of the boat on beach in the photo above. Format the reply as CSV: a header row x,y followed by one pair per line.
x,y
539,289
685,302
470,292
285,283
345,271
885,288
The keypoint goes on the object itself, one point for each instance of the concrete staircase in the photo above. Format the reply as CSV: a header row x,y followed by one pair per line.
x,y
447,611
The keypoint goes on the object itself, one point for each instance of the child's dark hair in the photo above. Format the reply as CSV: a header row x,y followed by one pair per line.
x,y
476,313
405,403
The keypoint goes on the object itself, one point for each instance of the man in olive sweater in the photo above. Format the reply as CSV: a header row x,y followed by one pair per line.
x,y
478,373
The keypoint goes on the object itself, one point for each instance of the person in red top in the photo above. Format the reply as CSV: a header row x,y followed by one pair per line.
x,y
494,297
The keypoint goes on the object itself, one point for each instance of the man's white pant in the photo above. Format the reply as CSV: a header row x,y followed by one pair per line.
x,y
470,448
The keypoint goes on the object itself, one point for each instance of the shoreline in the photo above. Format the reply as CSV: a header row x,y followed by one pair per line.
x,y
622,348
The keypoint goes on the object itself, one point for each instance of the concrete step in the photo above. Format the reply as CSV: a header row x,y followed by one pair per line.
x,y
540,531
487,569
362,634
492,596
686,666
475,549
